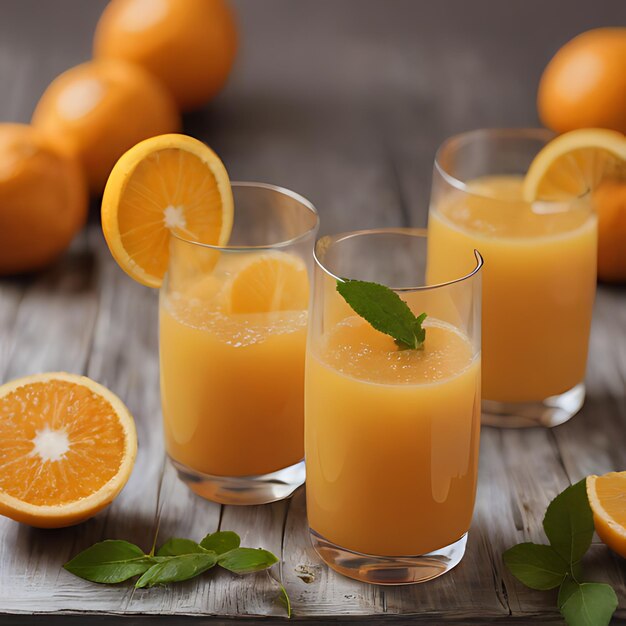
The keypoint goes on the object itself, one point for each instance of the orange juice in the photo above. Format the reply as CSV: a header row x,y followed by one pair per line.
x,y
232,384
538,284
391,439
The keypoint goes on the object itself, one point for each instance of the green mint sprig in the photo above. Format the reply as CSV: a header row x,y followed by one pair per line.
x,y
114,561
385,311
568,524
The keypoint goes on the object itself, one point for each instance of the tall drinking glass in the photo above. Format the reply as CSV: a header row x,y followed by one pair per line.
x,y
391,436
539,277
232,342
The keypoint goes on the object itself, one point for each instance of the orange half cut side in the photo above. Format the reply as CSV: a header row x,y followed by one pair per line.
x,y
67,448
607,497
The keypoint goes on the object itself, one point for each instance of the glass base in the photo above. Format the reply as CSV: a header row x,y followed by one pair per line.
x,y
550,412
243,490
389,570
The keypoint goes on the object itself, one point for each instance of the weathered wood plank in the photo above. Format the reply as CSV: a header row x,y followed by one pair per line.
x,y
400,620
315,590
587,443
124,359
52,330
11,293
54,324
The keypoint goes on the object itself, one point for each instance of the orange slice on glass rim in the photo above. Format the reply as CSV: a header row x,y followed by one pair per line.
x,y
67,448
163,185
574,164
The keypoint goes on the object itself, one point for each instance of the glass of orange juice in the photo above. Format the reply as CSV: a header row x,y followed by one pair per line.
x,y
391,435
539,278
232,344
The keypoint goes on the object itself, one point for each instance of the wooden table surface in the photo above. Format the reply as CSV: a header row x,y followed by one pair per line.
x,y
344,102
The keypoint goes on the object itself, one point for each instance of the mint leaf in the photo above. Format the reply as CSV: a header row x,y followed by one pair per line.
x,y
418,329
178,559
537,566
221,541
176,547
247,560
176,568
109,562
587,604
568,523
385,311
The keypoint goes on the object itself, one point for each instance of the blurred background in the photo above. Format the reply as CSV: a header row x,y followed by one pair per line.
x,y
344,101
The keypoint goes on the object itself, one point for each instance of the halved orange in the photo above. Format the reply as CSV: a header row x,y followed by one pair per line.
x,y
163,185
574,164
276,281
607,497
67,448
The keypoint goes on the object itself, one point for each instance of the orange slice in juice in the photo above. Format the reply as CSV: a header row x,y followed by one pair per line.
x,y
574,164
67,447
607,497
163,185
276,281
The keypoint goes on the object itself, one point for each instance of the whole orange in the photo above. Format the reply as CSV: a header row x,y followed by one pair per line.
x,y
43,199
610,205
189,45
584,85
100,109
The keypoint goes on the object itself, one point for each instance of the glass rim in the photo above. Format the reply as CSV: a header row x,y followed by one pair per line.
x,y
307,204
421,233
460,139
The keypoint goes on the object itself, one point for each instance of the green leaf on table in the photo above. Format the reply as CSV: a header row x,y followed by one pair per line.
x,y
587,604
110,561
247,560
177,568
385,311
568,522
537,566
221,541
176,547
283,598
178,559
567,588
